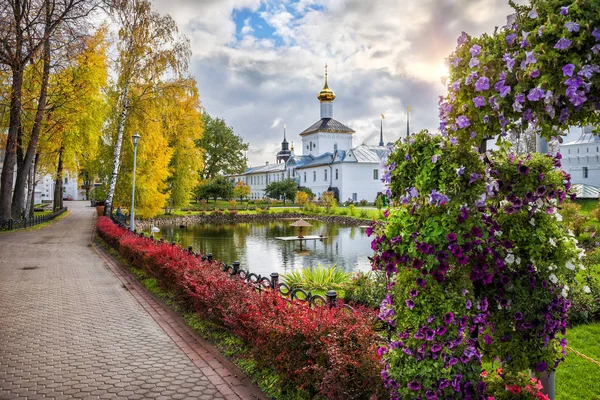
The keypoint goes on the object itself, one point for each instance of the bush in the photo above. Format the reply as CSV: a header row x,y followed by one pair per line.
x,y
317,278
364,214
326,352
367,289
572,217
363,203
352,209
343,211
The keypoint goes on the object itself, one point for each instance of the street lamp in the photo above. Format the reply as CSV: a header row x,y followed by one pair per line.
x,y
136,139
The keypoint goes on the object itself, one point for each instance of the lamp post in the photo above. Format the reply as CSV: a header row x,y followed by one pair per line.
x,y
136,139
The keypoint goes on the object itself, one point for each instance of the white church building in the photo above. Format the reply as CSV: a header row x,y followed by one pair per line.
x,y
581,159
328,161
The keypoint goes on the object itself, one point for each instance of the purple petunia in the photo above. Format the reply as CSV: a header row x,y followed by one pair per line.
x,y
410,304
474,177
413,192
510,39
541,366
535,73
482,83
436,348
572,26
530,57
568,70
518,316
413,293
462,121
448,318
414,385
488,339
456,61
462,39
421,282
587,71
564,10
407,157
562,44
474,62
596,49
596,34
434,158
510,62
535,94
479,101
533,14
475,50
523,169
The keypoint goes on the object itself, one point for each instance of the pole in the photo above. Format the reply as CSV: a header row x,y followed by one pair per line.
x,y
132,212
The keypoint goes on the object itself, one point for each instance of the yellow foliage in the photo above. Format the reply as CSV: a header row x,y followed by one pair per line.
x,y
302,198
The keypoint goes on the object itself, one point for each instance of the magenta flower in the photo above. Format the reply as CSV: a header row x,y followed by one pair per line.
x,y
448,318
414,385
462,121
413,293
441,331
572,26
479,101
482,83
421,282
564,10
541,366
568,70
488,339
410,304
436,348
562,44
475,50
518,316
510,39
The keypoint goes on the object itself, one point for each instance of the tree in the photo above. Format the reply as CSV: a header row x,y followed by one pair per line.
x,y
308,191
148,48
282,189
218,187
328,199
222,150
241,190
302,198
27,28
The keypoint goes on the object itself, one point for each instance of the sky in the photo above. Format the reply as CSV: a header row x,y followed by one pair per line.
x,y
259,64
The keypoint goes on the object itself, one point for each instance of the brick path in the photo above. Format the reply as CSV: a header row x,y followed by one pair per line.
x,y
73,325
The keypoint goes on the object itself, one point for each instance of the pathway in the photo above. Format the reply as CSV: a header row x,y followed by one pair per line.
x,y
73,325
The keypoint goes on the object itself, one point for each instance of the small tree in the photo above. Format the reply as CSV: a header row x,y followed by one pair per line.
x,y
219,187
241,190
302,198
286,189
379,201
329,200
310,193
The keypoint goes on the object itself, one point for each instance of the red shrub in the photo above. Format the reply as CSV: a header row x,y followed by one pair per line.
x,y
326,352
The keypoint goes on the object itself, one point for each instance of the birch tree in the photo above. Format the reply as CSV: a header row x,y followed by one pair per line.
x,y
148,48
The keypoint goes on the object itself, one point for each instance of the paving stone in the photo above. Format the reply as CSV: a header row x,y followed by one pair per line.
x,y
70,329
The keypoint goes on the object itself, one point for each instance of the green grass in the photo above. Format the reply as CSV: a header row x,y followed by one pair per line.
x,y
587,205
578,378
319,278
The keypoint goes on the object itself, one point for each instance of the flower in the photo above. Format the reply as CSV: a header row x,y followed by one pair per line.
x,y
541,366
572,26
421,282
553,278
474,62
535,73
475,50
414,385
410,304
434,158
568,70
586,289
482,83
413,293
530,57
510,39
510,62
462,39
479,101
488,339
562,44
413,192
407,157
523,169
518,316
564,10
474,177
533,14
462,121
596,34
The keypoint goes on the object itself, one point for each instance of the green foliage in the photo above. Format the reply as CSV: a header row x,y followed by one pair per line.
x,y
379,202
316,278
308,191
241,190
352,209
366,288
285,189
363,213
222,150
218,187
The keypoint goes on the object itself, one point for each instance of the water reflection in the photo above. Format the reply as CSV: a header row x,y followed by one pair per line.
x,y
255,246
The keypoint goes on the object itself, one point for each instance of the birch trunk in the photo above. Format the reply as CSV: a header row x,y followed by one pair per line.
x,y
117,153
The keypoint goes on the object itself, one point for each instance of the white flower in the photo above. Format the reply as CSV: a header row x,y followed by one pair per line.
x,y
517,260
532,221
551,267
570,266
498,233
553,278
564,293
566,287
570,232
510,258
559,217
582,267
552,242
586,289
539,202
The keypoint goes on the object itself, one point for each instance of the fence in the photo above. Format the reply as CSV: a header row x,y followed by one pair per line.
x,y
257,281
13,224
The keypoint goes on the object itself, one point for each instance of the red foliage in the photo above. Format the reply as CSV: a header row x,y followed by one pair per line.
x,y
329,352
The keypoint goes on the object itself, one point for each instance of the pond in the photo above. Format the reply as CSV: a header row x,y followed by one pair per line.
x,y
255,245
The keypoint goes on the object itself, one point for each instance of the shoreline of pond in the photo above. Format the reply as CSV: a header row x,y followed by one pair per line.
x,y
146,224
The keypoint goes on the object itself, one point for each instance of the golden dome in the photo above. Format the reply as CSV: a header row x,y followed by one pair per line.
x,y
326,94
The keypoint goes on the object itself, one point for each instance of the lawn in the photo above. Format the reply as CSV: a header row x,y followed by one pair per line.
x,y
578,378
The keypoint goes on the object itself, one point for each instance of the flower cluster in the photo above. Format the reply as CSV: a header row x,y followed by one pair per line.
x,y
541,69
464,270
513,386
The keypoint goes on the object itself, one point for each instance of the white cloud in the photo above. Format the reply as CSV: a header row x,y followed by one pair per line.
x,y
382,56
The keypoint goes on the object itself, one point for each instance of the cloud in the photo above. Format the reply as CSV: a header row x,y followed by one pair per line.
x,y
261,61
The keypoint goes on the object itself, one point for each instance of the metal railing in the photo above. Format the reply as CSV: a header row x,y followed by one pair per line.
x,y
14,224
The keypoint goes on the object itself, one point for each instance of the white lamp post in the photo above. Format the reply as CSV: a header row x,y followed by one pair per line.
x,y
136,139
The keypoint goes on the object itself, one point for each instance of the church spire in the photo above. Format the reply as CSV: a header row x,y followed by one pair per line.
x,y
326,97
381,131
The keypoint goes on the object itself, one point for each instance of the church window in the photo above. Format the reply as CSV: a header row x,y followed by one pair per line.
x,y
335,147
375,174
577,151
325,173
585,172
314,176
336,174
305,177
569,151
588,150
354,197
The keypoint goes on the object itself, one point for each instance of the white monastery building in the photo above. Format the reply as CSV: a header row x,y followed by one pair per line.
x,y
581,159
328,161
